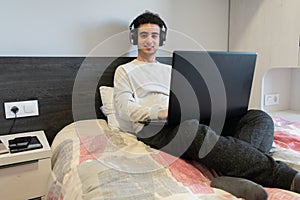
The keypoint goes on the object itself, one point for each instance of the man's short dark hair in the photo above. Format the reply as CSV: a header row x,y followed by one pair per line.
x,y
148,18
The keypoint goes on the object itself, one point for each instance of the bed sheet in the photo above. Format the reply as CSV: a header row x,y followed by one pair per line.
x,y
90,161
287,138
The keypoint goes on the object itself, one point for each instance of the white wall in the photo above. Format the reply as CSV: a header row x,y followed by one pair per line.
x,y
269,27
278,81
74,28
284,81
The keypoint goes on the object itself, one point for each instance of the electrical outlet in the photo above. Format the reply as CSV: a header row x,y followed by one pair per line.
x,y
25,109
271,99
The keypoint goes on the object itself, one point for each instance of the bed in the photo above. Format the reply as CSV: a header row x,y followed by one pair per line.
x,y
93,159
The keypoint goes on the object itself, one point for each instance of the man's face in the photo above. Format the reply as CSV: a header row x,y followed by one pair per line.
x,y
148,38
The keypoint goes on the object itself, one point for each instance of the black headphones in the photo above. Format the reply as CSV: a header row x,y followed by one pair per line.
x,y
134,34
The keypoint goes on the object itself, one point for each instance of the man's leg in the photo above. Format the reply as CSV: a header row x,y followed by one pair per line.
x,y
233,157
229,156
177,140
256,128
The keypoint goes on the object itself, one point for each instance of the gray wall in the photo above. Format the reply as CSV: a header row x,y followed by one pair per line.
x,y
75,28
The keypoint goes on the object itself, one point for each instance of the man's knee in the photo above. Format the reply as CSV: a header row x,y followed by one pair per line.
x,y
259,117
259,130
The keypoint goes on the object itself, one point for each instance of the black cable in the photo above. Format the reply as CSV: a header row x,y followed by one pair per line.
x,y
14,109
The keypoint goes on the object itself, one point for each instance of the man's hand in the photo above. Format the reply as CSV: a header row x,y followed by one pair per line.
x,y
163,114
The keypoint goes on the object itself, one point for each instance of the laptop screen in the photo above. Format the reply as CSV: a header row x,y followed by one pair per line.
x,y
210,86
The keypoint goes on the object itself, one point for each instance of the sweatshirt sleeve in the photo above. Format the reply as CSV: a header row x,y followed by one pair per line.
x,y
126,106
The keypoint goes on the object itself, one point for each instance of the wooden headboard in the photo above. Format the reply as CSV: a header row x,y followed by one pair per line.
x,y
65,87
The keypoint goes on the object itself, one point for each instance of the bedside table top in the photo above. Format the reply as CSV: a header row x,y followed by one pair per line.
x,y
25,156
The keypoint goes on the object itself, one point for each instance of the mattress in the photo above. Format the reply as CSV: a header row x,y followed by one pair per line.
x,y
91,161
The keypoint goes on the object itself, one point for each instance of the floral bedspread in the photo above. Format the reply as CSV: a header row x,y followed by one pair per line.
x,y
92,162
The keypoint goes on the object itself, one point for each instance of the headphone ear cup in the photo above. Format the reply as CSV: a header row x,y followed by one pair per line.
x,y
133,37
162,38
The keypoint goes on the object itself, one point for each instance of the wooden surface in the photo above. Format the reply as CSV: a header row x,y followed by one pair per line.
x,y
49,80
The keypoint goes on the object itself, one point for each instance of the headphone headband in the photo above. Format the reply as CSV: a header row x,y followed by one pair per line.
x,y
164,26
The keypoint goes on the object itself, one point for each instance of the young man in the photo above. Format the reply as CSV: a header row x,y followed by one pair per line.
x,y
141,93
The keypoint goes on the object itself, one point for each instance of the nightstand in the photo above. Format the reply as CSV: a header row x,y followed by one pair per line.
x,y
25,175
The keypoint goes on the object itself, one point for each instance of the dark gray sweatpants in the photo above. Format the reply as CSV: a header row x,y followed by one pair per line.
x,y
241,151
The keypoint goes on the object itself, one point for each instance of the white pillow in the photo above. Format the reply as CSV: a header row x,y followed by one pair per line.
x,y
108,108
